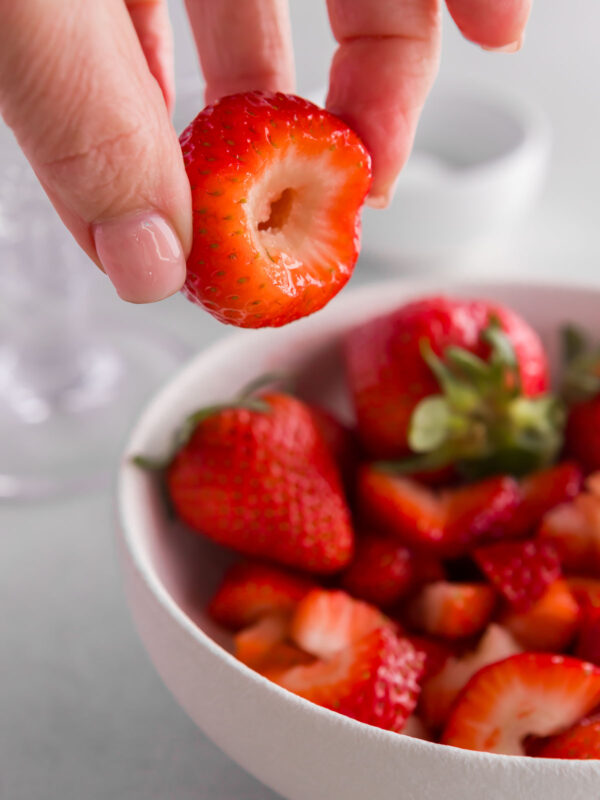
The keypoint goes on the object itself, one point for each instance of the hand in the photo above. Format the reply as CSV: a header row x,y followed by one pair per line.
x,y
87,88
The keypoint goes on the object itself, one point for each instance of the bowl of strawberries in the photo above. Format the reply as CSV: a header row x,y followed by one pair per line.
x,y
364,554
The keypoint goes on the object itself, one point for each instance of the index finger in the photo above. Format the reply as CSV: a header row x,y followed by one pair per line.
x,y
380,76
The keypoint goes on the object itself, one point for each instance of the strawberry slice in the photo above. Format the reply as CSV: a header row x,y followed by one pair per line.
x,y
251,589
520,571
585,590
326,622
581,741
446,523
254,643
374,680
452,610
542,491
277,187
530,694
550,624
588,645
441,689
382,570
436,653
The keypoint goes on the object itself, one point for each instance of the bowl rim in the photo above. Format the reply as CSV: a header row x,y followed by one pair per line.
x,y
132,537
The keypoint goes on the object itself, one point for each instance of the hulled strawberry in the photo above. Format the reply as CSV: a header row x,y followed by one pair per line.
x,y
582,741
262,481
452,381
277,187
530,694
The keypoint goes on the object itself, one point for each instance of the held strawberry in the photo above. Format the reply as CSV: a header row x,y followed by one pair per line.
x,y
277,187
530,694
496,362
259,478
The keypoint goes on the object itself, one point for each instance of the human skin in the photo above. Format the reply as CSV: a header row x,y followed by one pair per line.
x,y
87,88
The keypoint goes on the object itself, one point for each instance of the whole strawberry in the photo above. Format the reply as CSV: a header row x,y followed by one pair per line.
x,y
262,481
442,381
277,187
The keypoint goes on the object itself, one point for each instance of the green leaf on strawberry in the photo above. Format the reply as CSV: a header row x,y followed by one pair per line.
x,y
481,422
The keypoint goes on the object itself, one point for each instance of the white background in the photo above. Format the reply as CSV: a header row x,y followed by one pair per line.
x,y
82,714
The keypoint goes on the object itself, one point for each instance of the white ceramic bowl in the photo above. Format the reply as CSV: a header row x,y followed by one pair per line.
x,y
298,749
479,159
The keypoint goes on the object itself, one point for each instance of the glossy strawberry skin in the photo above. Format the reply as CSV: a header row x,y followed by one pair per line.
x,y
582,741
375,681
382,570
520,571
582,434
242,155
265,484
252,589
388,376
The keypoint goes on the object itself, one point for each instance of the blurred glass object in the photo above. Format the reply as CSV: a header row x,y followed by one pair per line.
x,y
71,379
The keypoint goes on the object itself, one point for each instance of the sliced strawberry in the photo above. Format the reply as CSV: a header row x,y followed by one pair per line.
x,y
342,444
585,590
530,694
253,644
588,644
436,653
326,622
374,680
581,741
520,571
277,186
446,523
381,571
542,491
574,528
251,589
415,728
452,610
550,624
441,689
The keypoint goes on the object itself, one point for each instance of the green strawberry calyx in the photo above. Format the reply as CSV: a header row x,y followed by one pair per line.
x,y
581,376
481,422
245,399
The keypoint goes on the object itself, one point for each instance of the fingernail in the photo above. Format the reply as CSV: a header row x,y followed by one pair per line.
x,y
513,47
142,256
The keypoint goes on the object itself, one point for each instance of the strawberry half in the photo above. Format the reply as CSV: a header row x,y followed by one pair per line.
x,y
263,482
374,680
277,187
382,570
249,590
441,689
446,523
451,610
530,694
581,741
326,622
520,571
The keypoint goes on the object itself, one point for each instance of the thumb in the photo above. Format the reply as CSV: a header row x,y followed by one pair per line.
x,y
76,90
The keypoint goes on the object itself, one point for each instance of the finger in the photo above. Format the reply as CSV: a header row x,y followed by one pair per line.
x,y
153,27
380,77
243,45
492,24
76,90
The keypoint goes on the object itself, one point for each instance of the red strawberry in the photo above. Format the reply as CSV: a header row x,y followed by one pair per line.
x,y
277,187
542,491
250,590
441,689
326,622
588,644
581,387
585,590
581,741
574,528
382,570
550,624
446,523
254,643
374,680
436,653
582,434
341,442
264,483
389,377
521,571
452,610
528,694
